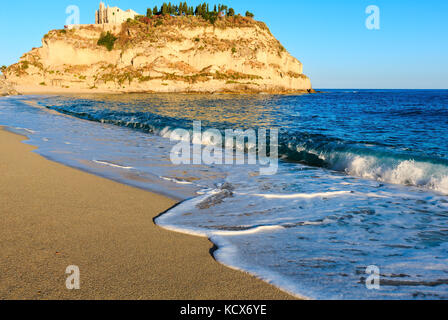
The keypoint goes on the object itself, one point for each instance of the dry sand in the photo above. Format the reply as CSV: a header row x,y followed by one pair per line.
x,y
52,216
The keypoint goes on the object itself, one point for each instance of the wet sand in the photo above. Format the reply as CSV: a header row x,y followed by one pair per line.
x,y
53,216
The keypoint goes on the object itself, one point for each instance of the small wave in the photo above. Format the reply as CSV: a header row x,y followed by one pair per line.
x,y
301,195
251,230
178,181
26,130
110,164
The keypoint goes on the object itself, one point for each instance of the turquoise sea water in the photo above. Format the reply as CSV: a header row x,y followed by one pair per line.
x,y
362,180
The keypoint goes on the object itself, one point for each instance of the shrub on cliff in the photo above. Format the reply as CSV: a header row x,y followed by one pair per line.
x,y
145,20
107,40
3,69
249,14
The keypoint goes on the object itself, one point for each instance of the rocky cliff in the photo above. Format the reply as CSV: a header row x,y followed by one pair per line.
x,y
163,54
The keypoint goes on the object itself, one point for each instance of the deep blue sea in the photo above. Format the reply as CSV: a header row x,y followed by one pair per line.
x,y
362,180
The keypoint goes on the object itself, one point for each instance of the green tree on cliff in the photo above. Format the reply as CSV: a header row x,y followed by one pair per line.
x,y
201,10
164,9
180,9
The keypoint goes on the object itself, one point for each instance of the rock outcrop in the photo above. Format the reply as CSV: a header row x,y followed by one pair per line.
x,y
6,89
163,54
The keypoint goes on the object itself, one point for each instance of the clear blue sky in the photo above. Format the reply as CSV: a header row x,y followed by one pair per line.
x,y
328,36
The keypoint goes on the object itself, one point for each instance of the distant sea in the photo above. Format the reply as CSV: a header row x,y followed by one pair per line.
x,y
362,180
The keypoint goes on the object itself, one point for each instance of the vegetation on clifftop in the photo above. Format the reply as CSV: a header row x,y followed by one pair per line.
x,y
202,10
162,28
157,25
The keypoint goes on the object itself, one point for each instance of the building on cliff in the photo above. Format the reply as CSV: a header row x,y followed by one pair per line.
x,y
113,15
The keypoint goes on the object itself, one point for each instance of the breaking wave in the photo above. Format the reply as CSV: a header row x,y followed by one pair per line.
x,y
366,160
379,165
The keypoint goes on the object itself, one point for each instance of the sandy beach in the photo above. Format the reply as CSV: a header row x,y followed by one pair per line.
x,y
53,216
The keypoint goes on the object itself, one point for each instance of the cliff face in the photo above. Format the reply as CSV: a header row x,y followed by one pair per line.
x,y
167,54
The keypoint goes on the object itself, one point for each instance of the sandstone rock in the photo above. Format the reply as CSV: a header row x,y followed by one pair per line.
x,y
183,54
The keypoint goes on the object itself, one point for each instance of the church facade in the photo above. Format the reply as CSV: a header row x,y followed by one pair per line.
x,y
113,15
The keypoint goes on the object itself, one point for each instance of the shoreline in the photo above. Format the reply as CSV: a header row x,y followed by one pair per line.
x,y
56,216
39,90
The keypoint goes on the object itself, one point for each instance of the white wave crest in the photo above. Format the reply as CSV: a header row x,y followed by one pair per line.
x,y
406,172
